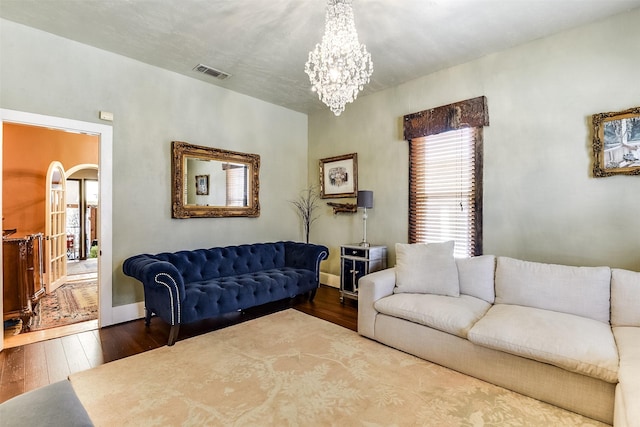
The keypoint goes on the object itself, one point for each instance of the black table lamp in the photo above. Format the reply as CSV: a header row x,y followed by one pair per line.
x,y
365,201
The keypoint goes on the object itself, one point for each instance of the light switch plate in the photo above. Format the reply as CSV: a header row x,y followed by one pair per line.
x,y
105,115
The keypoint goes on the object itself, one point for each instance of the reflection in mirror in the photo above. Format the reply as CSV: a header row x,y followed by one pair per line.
x,y
216,183
209,182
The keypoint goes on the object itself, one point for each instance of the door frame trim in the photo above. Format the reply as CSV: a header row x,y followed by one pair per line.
x,y
105,182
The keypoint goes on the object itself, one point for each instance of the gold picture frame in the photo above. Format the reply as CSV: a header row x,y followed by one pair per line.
x,y
616,143
339,176
202,185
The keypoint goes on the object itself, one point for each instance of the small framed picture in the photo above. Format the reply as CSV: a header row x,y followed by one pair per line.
x,y
202,185
616,143
339,176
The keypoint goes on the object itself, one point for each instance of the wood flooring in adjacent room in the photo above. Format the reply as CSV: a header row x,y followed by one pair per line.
x,y
30,366
78,272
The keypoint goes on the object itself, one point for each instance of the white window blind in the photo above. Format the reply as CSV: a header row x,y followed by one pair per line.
x,y
445,190
236,185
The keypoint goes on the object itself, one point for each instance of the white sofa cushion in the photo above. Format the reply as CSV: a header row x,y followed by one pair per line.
x,y
426,268
574,343
583,291
628,391
625,297
476,276
448,314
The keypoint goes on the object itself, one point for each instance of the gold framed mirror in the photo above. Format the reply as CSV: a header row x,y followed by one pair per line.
x,y
213,183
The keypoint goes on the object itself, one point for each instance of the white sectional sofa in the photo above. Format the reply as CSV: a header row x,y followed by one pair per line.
x,y
569,336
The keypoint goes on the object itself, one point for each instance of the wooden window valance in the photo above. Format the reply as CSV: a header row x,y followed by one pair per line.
x,y
470,113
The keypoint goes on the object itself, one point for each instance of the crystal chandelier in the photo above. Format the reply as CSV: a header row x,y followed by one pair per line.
x,y
339,66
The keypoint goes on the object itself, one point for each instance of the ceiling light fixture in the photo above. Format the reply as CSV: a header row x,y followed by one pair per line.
x,y
339,66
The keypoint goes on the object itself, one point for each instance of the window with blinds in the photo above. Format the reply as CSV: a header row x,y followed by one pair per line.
x,y
445,190
236,184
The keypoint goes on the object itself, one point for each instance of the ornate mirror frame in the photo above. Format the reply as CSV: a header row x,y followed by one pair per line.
x,y
180,209
616,143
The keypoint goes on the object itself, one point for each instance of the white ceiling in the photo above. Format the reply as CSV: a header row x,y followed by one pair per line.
x,y
264,44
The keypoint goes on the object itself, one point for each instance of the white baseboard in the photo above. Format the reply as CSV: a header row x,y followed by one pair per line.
x,y
329,279
127,312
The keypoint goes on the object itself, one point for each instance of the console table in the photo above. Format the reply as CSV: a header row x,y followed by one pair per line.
x,y
22,276
357,261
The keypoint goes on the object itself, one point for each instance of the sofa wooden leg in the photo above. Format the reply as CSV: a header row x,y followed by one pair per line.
x,y
312,295
173,334
147,316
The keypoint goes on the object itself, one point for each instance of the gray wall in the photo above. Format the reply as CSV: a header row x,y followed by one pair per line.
x,y
45,74
540,201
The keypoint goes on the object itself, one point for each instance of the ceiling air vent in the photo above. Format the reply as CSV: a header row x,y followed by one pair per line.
x,y
211,71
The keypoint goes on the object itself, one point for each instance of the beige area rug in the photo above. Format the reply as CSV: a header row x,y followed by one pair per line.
x,y
71,303
291,369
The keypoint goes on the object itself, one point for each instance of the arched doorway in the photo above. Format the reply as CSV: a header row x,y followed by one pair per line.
x,y
83,202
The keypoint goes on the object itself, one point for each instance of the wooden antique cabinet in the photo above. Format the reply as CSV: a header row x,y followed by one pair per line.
x,y
23,276
357,261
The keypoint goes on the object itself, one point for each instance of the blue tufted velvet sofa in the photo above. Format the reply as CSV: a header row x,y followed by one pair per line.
x,y
191,285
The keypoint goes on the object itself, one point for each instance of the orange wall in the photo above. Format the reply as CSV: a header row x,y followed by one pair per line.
x,y
27,153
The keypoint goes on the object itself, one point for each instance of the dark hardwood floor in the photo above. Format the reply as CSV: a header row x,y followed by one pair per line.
x,y
34,365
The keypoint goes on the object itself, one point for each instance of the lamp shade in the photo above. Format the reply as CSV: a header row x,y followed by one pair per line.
x,y
365,199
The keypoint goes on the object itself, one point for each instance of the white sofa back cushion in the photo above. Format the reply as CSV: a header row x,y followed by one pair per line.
x,y
476,276
625,297
426,268
583,291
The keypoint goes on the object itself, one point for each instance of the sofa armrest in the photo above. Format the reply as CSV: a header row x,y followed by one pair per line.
x,y
371,288
305,255
56,404
627,410
163,285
